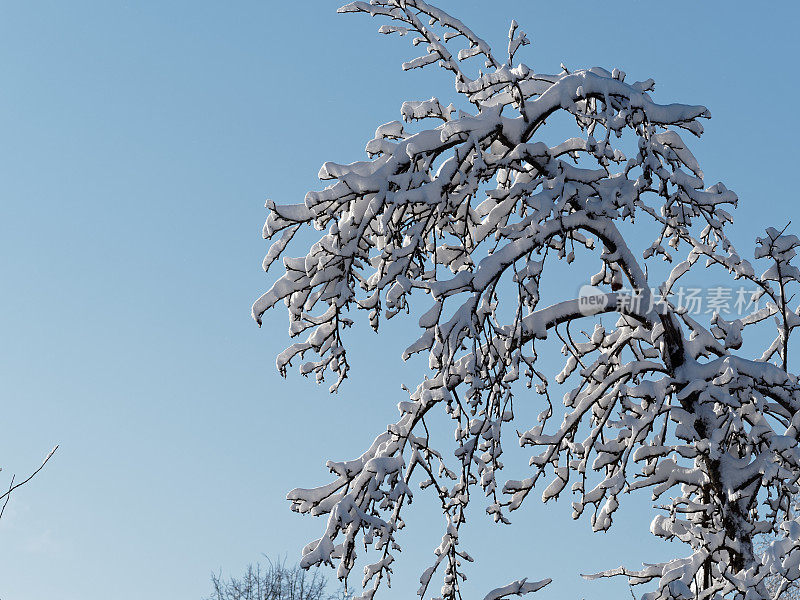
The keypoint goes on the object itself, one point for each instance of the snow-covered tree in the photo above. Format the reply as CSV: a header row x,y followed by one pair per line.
x,y
465,209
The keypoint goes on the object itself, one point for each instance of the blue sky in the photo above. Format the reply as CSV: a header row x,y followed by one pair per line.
x,y
139,142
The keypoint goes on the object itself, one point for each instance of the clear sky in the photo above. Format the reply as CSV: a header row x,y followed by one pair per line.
x,y
138,142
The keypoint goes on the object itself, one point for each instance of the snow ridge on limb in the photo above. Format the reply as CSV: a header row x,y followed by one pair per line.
x,y
473,210
517,588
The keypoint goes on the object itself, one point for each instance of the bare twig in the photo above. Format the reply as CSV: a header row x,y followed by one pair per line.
x,y
12,487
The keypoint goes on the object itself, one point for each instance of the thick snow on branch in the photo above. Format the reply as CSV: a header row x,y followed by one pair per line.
x,y
467,212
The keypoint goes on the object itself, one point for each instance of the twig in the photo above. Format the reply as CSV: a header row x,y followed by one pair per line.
x,y
8,496
12,487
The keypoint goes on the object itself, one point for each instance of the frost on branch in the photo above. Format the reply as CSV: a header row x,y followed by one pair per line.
x,y
463,210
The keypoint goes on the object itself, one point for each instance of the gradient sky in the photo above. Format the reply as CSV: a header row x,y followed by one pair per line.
x,y
138,142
